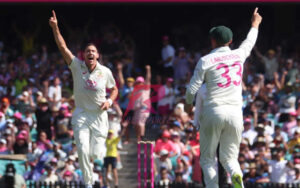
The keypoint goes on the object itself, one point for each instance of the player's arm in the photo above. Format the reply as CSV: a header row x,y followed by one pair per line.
x,y
60,42
110,84
111,99
148,74
249,43
120,75
258,54
194,85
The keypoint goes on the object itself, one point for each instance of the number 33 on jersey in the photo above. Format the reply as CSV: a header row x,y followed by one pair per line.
x,y
222,72
228,74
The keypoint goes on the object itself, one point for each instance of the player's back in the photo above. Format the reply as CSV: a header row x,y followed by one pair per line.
x,y
222,72
223,76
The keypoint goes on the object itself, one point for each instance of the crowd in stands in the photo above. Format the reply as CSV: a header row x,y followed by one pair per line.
x,y
37,103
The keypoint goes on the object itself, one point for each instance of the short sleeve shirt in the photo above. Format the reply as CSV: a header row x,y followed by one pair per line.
x,y
90,88
111,145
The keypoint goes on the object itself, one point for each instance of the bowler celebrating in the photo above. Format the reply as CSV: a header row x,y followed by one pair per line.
x,y
89,121
221,118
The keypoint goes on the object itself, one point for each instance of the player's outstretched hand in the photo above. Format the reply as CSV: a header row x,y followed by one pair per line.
x,y
256,18
53,20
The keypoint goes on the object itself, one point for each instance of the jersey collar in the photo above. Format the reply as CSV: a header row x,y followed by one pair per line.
x,y
96,68
221,49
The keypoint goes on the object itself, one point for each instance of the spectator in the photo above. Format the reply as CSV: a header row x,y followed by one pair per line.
x,y
182,66
279,167
25,101
162,161
179,181
43,142
290,123
62,125
297,176
163,178
141,103
11,178
166,98
125,93
21,145
294,142
248,132
252,176
294,129
279,133
68,176
292,72
50,176
20,83
184,167
270,61
54,93
166,144
179,146
3,148
5,107
43,117
111,155
167,55
287,103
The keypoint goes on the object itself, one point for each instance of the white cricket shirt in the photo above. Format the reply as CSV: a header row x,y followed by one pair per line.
x,y
90,88
222,71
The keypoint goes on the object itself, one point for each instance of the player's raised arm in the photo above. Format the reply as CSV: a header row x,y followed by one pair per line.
x,y
256,19
61,44
249,43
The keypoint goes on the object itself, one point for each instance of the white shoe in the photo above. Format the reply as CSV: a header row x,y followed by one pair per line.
x,y
88,186
109,176
119,165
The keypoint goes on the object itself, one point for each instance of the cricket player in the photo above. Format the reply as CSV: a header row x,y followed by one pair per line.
x,y
200,97
221,118
89,121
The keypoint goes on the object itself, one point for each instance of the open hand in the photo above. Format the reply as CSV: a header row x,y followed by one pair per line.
x,y
53,20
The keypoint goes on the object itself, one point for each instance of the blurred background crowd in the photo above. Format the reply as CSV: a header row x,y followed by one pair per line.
x,y
37,101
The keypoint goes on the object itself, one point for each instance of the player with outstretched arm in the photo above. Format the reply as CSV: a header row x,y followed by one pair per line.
x,y
89,121
222,117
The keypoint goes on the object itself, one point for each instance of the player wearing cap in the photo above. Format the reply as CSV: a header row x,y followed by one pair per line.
x,y
89,121
222,118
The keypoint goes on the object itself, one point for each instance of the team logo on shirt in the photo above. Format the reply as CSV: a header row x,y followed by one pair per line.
x,y
91,85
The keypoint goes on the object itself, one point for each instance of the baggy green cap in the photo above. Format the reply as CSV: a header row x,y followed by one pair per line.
x,y
221,34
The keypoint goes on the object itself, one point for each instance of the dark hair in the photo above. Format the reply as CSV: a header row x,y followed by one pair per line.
x,y
91,44
9,176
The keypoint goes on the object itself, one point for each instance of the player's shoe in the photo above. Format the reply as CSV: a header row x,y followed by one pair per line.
x,y
237,181
109,176
119,165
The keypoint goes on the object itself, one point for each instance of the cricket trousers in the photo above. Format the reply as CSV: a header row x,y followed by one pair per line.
x,y
90,132
220,125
